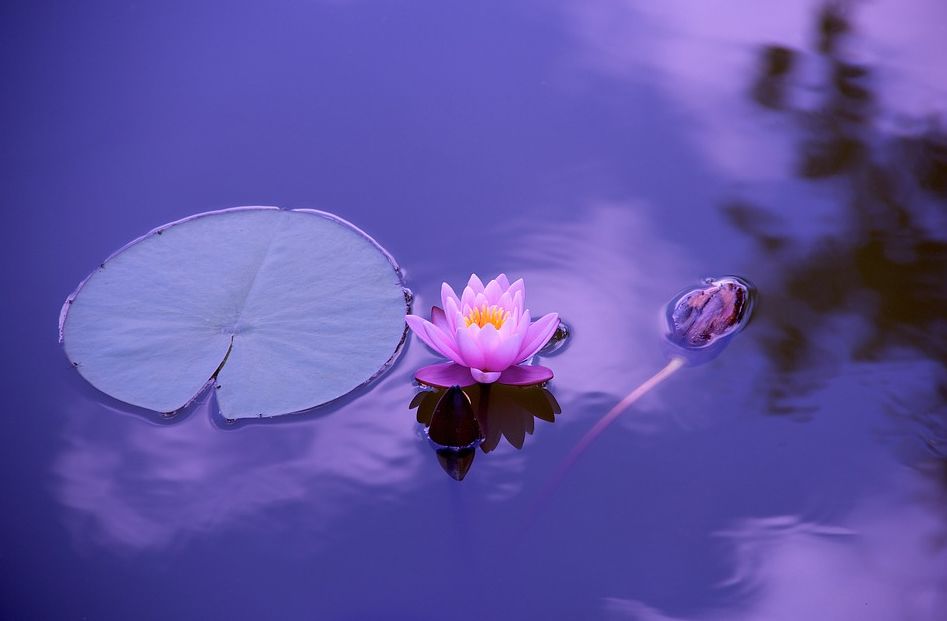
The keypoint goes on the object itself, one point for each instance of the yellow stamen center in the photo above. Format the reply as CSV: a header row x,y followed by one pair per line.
x,y
483,315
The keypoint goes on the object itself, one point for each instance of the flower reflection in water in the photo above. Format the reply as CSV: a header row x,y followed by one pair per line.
x,y
458,420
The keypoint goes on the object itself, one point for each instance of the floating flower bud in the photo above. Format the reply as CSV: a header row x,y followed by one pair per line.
x,y
703,319
700,322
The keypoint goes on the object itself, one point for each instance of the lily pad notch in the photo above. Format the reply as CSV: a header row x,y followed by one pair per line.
x,y
284,310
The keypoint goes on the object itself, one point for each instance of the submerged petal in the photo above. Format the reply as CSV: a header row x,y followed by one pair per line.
x,y
538,334
445,375
525,375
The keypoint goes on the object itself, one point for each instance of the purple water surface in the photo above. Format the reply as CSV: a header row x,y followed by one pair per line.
x,y
610,154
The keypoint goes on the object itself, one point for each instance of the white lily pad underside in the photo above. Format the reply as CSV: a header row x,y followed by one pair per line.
x,y
290,309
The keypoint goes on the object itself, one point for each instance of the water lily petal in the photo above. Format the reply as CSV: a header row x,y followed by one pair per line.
x,y
512,301
468,299
447,293
506,301
454,318
492,292
509,327
518,287
445,375
503,281
522,322
499,349
468,346
538,335
485,377
525,375
507,353
495,358
417,326
444,343
438,342
438,318
475,283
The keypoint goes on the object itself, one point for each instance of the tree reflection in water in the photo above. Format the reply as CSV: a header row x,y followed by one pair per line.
x,y
459,420
886,264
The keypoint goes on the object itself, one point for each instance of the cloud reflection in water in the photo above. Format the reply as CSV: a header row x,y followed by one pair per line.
x,y
698,54
135,485
887,561
609,275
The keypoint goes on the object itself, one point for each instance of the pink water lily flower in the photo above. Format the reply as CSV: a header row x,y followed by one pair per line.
x,y
486,333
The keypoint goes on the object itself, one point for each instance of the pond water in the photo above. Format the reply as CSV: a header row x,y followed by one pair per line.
x,y
609,154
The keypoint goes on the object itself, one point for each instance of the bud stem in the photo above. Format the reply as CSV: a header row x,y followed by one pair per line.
x,y
675,363
669,369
